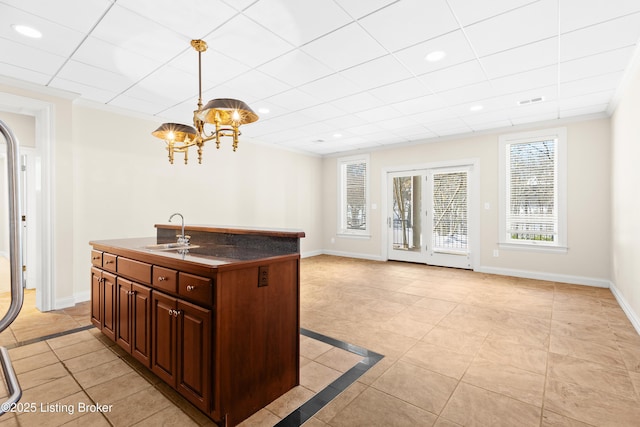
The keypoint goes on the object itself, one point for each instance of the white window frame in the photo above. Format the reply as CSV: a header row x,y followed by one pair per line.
x,y
505,141
343,231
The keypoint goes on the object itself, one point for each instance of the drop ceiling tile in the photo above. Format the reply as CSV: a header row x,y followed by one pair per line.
x,y
455,76
426,118
534,110
147,106
56,39
491,125
540,77
408,22
113,58
593,65
359,8
596,98
79,15
194,19
296,68
542,117
29,58
524,58
380,114
90,93
400,125
294,99
454,45
420,104
217,68
468,94
239,5
521,26
94,77
617,33
575,14
298,22
358,102
471,11
257,85
135,33
344,48
23,74
331,87
167,83
323,112
477,121
588,85
581,111
365,130
246,41
401,91
377,72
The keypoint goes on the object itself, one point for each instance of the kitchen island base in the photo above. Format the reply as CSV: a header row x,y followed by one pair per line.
x,y
223,332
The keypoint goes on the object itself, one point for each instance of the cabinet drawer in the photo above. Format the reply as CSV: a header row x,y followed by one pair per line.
x,y
96,258
195,288
165,279
136,270
109,262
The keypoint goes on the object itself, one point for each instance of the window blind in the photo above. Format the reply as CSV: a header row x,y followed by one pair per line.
x,y
532,201
355,181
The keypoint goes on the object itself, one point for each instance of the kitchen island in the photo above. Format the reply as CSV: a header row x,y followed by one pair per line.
x,y
217,319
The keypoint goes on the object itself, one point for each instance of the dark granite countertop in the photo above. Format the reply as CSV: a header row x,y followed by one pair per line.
x,y
203,254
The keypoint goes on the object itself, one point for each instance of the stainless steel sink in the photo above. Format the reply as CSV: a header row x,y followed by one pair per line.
x,y
169,246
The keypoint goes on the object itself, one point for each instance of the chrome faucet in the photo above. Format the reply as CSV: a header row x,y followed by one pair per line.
x,y
182,238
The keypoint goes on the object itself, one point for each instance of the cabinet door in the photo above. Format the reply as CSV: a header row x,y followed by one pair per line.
x,y
109,320
163,350
123,313
194,354
141,324
97,295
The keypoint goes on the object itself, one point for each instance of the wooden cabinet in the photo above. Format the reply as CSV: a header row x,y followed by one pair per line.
x,y
103,303
181,337
133,319
225,337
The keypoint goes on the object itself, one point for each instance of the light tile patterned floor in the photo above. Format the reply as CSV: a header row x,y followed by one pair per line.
x,y
461,348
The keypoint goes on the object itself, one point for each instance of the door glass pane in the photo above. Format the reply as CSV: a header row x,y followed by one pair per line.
x,y
407,204
450,211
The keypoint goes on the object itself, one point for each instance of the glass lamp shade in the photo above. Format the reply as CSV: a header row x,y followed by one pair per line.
x,y
227,112
175,132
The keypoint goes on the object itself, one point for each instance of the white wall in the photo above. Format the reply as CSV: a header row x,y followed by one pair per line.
x,y
586,261
124,184
625,199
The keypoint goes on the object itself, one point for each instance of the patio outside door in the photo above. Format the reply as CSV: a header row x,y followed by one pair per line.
x,y
428,216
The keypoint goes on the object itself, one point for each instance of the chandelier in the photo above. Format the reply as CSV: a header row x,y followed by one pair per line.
x,y
227,115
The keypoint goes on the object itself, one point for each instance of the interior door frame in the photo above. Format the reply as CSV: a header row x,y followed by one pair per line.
x,y
473,203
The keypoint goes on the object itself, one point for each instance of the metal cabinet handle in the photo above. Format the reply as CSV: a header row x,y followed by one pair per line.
x,y
95,257
174,313
190,288
131,292
162,279
109,261
171,312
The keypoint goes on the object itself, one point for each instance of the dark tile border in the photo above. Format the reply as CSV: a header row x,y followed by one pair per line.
x,y
48,337
311,406
317,402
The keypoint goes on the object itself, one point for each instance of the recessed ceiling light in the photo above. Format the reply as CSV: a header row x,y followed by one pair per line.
x,y
27,31
476,108
435,56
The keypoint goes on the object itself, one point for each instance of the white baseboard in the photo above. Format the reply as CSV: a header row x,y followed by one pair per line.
x,y
632,315
552,277
353,255
67,302
311,253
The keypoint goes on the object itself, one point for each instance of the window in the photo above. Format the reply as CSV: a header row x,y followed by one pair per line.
x,y
533,189
353,179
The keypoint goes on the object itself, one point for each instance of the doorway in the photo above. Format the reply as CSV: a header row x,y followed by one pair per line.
x,y
428,215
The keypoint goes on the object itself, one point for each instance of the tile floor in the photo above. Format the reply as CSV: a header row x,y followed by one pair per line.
x,y
461,348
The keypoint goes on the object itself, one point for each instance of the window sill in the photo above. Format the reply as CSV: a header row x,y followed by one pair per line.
x,y
532,247
363,236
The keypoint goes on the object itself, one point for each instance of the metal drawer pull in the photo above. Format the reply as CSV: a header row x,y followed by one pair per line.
x,y
190,288
109,261
131,292
95,257
162,278
174,313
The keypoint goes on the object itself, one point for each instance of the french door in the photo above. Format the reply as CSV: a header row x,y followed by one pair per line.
x,y
428,219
